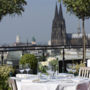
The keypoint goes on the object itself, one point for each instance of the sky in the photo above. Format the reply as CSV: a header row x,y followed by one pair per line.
x,y
36,21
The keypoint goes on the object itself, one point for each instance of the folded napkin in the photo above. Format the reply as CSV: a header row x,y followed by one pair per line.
x,y
36,80
65,75
30,80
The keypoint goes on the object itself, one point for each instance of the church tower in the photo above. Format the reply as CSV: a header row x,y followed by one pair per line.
x,y
58,35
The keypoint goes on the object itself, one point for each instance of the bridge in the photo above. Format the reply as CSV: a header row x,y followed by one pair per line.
x,y
62,57
38,47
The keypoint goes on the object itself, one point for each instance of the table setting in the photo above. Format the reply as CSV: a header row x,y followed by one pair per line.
x,y
48,78
63,81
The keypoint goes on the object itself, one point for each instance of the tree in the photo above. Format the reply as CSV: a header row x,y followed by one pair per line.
x,y
81,8
11,7
31,60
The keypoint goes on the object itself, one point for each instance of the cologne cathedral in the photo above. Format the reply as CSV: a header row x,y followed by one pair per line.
x,y
59,36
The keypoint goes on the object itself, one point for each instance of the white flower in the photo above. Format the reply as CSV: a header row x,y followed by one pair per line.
x,y
51,59
44,63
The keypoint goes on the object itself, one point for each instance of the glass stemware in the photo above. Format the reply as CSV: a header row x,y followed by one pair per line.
x,y
50,72
21,69
27,68
71,68
39,71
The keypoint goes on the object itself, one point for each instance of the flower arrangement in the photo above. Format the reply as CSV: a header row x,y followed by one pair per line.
x,y
51,61
42,67
54,65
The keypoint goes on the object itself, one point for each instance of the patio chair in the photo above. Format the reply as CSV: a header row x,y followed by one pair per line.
x,y
12,84
83,86
84,72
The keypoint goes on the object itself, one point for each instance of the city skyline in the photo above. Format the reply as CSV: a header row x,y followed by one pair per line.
x,y
36,21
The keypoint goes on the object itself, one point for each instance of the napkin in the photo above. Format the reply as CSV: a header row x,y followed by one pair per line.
x,y
30,80
36,80
65,75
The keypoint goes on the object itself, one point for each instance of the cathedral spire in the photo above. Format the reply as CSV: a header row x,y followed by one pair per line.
x,y
60,12
56,12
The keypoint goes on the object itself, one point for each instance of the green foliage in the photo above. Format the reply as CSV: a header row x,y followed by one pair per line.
x,y
29,59
42,58
4,75
5,72
59,0
54,64
78,66
81,8
42,68
11,7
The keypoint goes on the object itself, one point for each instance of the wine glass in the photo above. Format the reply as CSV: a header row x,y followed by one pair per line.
x,y
39,71
49,71
27,68
21,69
69,69
73,70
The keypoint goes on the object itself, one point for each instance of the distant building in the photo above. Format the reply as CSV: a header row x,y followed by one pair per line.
x,y
19,43
33,41
59,36
17,39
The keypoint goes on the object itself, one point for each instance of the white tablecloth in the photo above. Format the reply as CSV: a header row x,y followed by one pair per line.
x,y
73,83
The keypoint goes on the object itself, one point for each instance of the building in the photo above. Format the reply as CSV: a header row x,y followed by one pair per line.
x,y
59,36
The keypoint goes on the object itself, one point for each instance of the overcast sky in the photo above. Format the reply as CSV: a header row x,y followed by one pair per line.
x,y
36,21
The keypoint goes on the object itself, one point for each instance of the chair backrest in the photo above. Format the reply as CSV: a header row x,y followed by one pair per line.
x,y
83,86
12,84
84,72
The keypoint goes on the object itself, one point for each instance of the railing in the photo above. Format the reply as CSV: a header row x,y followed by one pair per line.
x,y
63,54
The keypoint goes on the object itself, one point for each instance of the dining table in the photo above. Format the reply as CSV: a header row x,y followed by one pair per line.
x,y
62,81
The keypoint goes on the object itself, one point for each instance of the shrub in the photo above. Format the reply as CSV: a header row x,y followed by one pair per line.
x,y
4,75
31,60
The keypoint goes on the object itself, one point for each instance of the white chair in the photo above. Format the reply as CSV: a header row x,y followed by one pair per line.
x,y
12,84
84,72
88,63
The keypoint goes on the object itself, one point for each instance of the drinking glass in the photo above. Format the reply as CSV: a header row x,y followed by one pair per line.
x,y
39,70
21,69
27,68
50,72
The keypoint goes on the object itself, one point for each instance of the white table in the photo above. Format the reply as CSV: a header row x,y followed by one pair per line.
x,y
61,83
